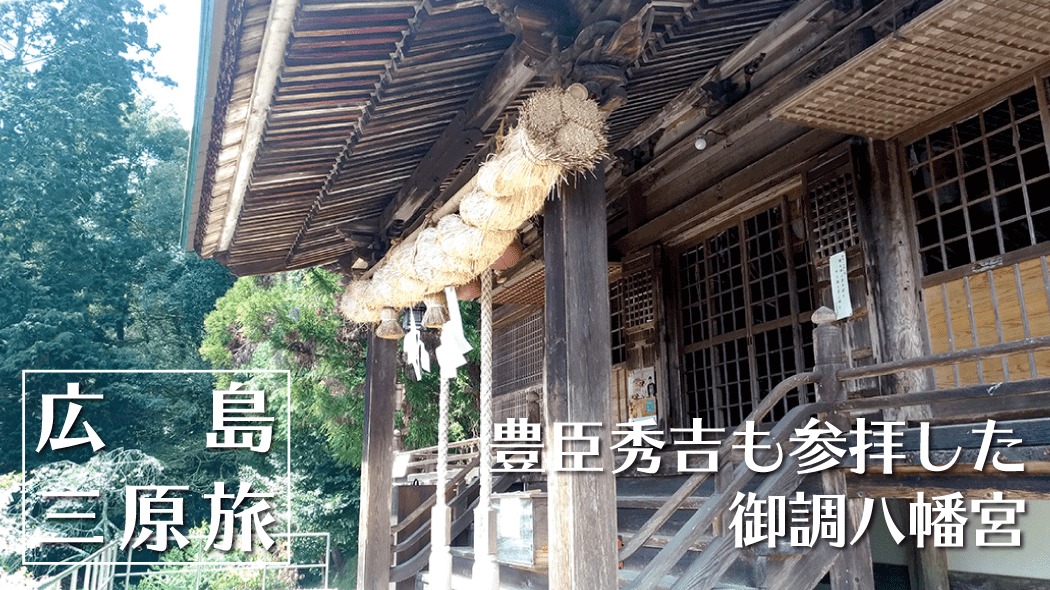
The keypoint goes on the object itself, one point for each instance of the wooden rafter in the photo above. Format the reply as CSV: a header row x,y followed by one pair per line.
x,y
503,84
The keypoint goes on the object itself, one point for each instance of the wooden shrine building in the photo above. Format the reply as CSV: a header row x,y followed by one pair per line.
x,y
796,209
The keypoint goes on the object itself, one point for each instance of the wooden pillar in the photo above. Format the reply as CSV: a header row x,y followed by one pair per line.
x,y
852,569
581,510
373,565
902,324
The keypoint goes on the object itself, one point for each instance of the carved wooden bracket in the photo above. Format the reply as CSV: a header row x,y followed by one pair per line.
x,y
540,26
602,51
634,159
719,94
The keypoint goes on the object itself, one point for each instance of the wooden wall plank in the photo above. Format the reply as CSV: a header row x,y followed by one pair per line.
x,y
1002,305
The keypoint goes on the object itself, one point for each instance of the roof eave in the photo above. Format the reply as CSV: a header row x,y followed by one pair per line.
x,y
209,60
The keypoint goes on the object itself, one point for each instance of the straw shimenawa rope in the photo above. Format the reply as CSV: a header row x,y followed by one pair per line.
x,y
559,132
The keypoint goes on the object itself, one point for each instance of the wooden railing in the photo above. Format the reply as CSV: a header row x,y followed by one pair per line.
x,y
421,464
681,496
463,500
946,406
428,504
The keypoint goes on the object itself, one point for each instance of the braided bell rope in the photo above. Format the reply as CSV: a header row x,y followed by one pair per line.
x,y
485,442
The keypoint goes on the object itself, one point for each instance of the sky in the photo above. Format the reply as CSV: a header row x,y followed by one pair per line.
x,y
177,33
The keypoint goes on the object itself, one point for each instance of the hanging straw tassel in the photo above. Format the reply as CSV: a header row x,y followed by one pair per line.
x,y
437,311
389,327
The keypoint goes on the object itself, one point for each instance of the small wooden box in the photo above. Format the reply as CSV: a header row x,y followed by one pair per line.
x,y
521,529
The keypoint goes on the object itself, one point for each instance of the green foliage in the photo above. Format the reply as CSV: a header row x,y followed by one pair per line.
x,y
94,279
92,190
109,472
419,418
289,322
243,569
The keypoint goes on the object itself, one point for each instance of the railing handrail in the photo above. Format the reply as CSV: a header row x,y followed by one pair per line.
x,y
999,389
417,462
429,502
453,458
661,516
705,571
715,505
470,442
944,358
414,564
705,516
99,556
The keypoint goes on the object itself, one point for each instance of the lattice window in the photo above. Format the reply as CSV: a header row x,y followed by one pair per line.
x,y
517,355
511,405
619,337
833,212
980,187
777,357
743,294
980,190
639,311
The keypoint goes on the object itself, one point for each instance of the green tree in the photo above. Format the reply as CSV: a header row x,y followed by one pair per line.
x,y
91,192
68,84
290,321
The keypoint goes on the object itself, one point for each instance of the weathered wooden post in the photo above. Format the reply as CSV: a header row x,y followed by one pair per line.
x,y
902,327
373,566
581,504
852,569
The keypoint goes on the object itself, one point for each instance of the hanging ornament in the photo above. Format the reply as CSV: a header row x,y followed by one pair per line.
x,y
469,291
389,328
454,345
436,314
415,352
510,257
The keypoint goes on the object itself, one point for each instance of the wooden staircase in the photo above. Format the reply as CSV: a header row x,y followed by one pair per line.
x,y
675,531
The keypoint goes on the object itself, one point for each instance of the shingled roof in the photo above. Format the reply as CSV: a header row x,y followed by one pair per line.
x,y
325,127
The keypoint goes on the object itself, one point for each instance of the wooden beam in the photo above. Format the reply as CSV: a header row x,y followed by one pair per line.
x,y
765,171
972,485
672,177
581,504
968,581
373,566
503,84
781,36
